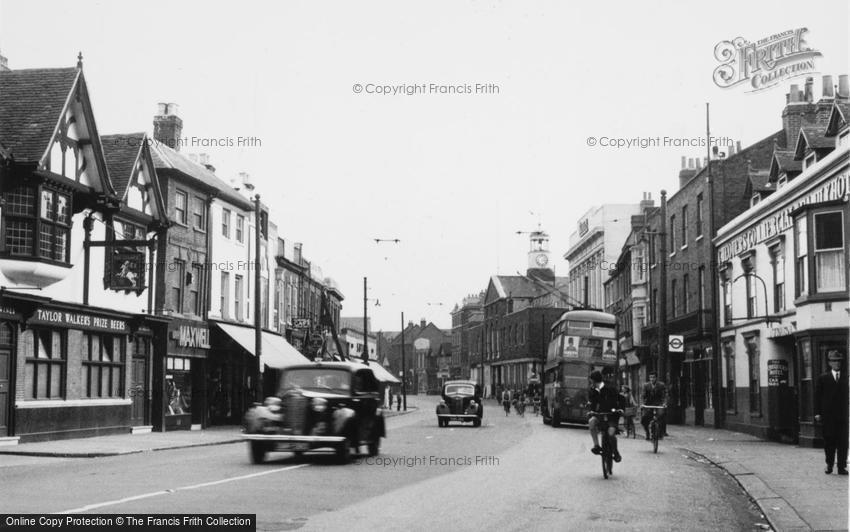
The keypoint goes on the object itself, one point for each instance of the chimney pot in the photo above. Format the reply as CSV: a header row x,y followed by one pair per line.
x,y
683,162
808,94
737,146
691,163
172,109
699,164
161,109
828,89
843,86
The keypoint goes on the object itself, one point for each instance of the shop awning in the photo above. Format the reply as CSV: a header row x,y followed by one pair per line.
x,y
382,374
276,351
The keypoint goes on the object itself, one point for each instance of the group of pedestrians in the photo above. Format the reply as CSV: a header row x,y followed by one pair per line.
x,y
520,401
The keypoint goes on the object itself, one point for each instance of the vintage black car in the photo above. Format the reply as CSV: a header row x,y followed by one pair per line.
x,y
322,405
461,402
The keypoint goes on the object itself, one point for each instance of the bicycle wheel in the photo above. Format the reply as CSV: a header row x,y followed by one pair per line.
x,y
606,455
654,428
604,465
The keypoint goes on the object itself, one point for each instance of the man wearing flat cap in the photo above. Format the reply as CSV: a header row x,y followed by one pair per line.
x,y
831,411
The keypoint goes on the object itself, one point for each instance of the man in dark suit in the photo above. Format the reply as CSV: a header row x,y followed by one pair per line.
x,y
831,411
654,394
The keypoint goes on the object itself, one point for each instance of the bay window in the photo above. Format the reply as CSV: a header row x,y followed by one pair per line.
x,y
829,251
38,223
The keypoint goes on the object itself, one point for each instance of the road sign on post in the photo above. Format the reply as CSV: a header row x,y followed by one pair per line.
x,y
676,343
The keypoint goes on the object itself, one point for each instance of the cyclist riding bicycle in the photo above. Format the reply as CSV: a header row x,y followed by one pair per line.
x,y
654,394
603,397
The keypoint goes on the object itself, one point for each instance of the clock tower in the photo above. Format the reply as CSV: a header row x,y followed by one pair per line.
x,y
538,253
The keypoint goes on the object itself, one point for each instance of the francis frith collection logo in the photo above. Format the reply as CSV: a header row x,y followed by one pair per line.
x,y
764,63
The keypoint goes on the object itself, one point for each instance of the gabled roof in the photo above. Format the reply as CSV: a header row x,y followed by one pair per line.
x,y
783,161
121,152
814,138
514,286
32,107
839,118
759,182
167,158
31,104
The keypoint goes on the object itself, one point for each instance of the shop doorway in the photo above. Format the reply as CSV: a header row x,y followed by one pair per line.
x,y
139,382
7,349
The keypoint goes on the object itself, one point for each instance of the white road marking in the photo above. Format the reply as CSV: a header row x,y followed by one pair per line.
x,y
167,491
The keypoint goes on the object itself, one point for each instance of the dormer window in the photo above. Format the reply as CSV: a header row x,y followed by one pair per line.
x,y
809,160
783,179
754,200
38,223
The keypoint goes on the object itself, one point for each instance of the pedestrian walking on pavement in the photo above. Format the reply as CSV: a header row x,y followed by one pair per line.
x,y
398,403
831,411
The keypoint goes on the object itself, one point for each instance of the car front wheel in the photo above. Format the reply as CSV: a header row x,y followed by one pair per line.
x,y
343,452
258,452
375,447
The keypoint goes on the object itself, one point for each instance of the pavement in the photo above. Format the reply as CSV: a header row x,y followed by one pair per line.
x,y
119,444
786,482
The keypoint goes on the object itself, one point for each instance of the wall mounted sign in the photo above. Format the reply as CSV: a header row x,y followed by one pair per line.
x,y
78,320
189,336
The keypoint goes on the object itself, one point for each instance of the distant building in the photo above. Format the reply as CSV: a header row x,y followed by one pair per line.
x,y
594,248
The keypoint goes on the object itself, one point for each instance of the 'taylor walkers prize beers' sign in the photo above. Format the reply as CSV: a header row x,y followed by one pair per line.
x,y
79,320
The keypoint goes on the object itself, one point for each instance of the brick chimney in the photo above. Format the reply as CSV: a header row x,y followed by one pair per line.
x,y
647,202
687,172
797,112
4,64
422,323
167,126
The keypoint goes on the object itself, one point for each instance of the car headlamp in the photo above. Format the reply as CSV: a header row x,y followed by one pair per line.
x,y
320,404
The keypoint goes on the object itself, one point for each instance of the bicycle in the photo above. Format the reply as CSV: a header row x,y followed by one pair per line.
x,y
607,442
654,427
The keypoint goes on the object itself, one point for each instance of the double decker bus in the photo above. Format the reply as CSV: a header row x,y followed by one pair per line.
x,y
581,341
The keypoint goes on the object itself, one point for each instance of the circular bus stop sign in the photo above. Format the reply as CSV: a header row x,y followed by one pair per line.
x,y
676,344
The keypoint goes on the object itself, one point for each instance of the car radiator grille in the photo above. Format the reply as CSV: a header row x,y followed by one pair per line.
x,y
457,405
296,413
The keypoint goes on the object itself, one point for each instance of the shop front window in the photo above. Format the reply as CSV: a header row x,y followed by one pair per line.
x,y
729,363
178,386
753,355
45,366
103,366
805,372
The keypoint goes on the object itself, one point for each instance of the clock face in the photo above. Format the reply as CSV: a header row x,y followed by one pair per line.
x,y
541,260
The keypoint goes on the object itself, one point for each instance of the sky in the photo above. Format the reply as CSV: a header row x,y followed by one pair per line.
x,y
453,176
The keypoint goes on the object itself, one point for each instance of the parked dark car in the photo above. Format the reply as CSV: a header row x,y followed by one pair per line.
x,y
461,402
323,405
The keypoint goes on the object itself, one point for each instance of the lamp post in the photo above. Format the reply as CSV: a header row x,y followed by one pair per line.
x,y
258,331
403,370
365,355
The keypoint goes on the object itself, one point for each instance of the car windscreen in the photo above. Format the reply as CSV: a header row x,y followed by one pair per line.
x,y
316,379
460,389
